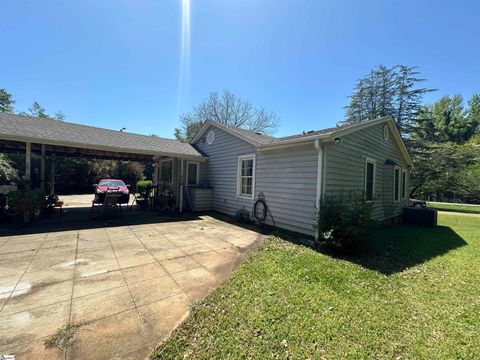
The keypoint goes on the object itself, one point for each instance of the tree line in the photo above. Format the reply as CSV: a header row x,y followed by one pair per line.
x,y
443,137
7,105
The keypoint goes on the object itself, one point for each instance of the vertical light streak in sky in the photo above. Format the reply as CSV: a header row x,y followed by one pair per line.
x,y
184,75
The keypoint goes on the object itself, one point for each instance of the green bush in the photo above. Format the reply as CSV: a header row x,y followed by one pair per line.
x,y
243,216
343,221
142,185
26,200
7,170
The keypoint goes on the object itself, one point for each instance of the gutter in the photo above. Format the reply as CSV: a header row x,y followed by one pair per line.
x,y
296,142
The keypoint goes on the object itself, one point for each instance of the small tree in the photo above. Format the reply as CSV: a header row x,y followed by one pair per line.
x,y
59,116
37,110
6,101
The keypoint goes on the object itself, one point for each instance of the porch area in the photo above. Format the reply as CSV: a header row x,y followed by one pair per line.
x,y
179,170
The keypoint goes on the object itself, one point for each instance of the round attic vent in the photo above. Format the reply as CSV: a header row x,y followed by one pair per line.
x,y
210,137
386,132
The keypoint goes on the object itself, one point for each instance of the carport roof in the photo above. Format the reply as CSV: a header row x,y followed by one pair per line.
x,y
55,132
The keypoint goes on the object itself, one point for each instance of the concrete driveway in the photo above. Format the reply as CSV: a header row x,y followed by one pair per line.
x,y
127,286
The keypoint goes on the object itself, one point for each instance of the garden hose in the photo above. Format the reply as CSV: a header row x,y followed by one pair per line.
x,y
260,211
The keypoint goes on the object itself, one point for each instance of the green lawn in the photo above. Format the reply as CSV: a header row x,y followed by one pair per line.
x,y
414,293
473,209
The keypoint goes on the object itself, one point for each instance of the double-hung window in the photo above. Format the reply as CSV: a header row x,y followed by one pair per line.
x,y
166,171
396,183
246,176
369,179
192,173
404,184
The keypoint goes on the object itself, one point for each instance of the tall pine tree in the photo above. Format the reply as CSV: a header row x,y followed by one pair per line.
x,y
385,91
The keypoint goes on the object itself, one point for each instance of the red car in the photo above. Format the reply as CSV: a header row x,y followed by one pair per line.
x,y
112,186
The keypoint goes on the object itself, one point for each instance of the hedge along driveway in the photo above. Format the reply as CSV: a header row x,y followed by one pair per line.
x,y
412,294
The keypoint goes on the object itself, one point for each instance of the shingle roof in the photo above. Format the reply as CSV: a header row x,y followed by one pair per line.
x,y
265,140
69,134
256,138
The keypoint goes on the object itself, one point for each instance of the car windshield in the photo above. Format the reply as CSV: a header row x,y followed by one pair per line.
x,y
113,183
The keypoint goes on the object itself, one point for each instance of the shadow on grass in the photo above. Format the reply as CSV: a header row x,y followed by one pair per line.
x,y
393,249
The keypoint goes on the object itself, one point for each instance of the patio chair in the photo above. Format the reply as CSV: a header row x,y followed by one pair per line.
x,y
111,203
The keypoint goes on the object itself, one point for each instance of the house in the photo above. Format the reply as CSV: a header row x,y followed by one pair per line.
x,y
292,173
226,169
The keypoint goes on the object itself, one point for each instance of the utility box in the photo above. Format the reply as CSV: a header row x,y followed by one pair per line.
x,y
422,216
201,198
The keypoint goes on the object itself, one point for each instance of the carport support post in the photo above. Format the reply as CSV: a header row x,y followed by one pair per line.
x,y
52,176
28,160
42,169
181,185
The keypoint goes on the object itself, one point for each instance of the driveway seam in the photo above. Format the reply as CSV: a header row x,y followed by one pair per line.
x,y
66,353
158,262
23,274
8,238
178,247
73,279
128,287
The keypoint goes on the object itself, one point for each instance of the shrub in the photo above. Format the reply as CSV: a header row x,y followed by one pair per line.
x,y
243,216
7,170
142,185
26,200
343,221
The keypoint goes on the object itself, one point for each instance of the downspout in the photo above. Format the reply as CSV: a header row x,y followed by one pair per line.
x,y
181,185
319,148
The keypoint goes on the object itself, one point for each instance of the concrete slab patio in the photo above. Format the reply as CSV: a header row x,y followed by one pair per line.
x,y
129,286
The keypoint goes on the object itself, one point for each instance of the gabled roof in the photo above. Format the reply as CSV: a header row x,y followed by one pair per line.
x,y
265,142
62,133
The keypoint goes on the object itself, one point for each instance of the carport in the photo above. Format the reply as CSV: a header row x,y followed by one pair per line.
x,y
45,139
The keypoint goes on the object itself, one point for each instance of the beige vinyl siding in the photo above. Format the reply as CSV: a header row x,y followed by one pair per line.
x,y
288,179
345,168
222,170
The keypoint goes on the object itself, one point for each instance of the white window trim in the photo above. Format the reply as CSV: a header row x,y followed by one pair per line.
x,y
197,180
399,185
239,172
160,171
404,180
374,162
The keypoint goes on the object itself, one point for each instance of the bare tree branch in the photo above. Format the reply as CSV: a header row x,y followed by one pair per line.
x,y
227,109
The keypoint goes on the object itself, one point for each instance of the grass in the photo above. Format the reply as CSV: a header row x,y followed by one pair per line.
x,y
472,209
63,338
412,293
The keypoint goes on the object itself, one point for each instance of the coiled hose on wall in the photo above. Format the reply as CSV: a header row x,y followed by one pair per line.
x,y
260,210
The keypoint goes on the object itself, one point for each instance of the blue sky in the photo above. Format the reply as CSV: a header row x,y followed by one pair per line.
x,y
116,63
